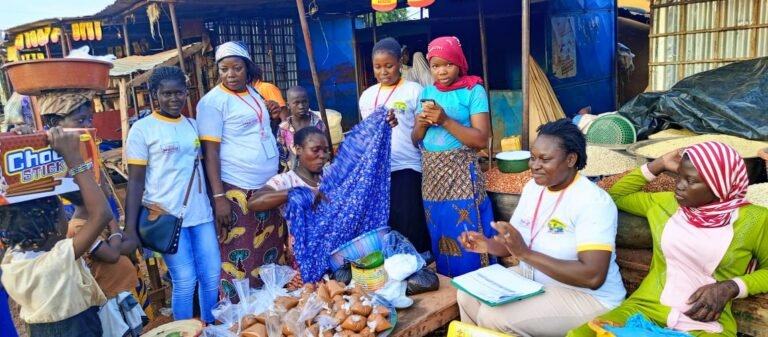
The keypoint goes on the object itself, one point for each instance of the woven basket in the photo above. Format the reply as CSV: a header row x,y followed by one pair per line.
x,y
611,129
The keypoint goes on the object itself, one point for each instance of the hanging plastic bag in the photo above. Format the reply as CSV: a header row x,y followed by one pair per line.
x,y
422,281
226,313
395,243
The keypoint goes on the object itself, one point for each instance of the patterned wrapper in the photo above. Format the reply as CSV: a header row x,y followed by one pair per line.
x,y
32,170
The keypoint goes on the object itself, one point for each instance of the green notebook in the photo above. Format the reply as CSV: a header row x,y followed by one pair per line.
x,y
495,285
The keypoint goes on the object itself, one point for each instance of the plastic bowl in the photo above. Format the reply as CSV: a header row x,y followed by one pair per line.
x,y
513,161
34,77
358,247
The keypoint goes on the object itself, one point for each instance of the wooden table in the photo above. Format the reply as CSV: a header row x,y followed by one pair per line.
x,y
429,312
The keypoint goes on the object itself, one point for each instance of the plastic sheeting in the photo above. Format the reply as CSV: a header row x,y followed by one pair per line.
x,y
729,100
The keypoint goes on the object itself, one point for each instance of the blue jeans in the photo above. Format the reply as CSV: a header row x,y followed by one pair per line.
x,y
195,263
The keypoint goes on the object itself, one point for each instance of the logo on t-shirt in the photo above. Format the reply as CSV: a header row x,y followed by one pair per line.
x,y
251,122
169,148
400,107
556,226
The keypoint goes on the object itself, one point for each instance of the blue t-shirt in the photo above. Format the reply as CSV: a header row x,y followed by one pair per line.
x,y
459,105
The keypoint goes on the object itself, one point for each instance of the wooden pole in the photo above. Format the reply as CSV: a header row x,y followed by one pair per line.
x,y
63,41
313,68
375,33
199,75
484,48
357,66
177,37
126,41
526,31
123,90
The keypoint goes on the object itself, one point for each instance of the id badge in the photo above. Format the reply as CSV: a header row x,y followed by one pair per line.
x,y
526,270
269,149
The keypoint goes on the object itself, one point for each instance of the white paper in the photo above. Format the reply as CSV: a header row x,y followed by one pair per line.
x,y
497,284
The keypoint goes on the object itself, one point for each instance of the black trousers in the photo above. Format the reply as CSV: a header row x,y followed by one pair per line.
x,y
406,208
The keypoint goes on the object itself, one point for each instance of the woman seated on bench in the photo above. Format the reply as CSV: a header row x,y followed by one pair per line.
x,y
705,235
563,232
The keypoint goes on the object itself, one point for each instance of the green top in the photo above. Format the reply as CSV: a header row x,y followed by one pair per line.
x,y
749,235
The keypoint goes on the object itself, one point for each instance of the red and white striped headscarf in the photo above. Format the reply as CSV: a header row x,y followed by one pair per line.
x,y
723,170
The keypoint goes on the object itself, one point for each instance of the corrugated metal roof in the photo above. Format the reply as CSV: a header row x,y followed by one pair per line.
x,y
131,64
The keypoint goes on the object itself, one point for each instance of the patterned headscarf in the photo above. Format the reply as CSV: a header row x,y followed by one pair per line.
x,y
723,170
64,103
449,49
232,48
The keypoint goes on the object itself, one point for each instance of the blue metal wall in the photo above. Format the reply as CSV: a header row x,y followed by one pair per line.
x,y
334,57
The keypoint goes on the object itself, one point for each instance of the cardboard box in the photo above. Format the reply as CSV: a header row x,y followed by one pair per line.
x,y
32,170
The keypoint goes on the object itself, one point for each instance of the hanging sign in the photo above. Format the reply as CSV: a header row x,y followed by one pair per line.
x,y
420,3
384,5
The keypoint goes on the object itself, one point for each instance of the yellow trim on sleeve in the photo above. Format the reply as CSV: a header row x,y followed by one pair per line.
x,y
210,139
594,246
137,162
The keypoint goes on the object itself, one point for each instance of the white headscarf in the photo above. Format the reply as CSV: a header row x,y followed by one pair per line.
x,y
232,48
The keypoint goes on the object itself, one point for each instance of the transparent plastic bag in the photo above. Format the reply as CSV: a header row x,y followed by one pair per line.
x,y
218,331
395,243
275,277
226,313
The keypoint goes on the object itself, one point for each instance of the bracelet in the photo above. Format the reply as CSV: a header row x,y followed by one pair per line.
x,y
115,235
80,168
219,195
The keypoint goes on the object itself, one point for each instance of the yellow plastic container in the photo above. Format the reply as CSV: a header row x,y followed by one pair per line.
x,y
511,144
459,329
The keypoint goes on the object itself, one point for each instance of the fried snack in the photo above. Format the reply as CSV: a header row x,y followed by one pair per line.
x,y
323,293
256,330
287,331
367,332
381,310
314,329
355,323
381,323
346,333
335,288
262,318
247,321
357,289
340,315
361,309
339,298
287,302
328,333
308,288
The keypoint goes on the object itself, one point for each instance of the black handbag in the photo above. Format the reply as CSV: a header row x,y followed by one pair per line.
x,y
162,234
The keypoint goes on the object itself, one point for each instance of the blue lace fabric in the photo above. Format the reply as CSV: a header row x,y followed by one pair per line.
x,y
356,186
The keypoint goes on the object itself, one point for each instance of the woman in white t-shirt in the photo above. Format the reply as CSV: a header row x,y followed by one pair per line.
x,y
401,97
240,156
563,232
162,150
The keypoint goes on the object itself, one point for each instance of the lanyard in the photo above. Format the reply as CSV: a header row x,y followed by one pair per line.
x,y
376,102
259,112
536,214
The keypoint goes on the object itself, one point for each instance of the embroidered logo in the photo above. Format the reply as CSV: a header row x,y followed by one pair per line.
x,y
556,226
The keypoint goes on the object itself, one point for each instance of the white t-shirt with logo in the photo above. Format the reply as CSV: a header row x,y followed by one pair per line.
x,y
248,149
405,102
167,147
585,219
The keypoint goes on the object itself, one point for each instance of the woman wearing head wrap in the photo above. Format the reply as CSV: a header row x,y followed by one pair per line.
x,y
705,236
406,212
451,123
241,155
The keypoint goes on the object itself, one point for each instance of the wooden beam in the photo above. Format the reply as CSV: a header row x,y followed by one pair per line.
x,y
484,49
123,90
126,41
526,31
195,48
313,68
177,37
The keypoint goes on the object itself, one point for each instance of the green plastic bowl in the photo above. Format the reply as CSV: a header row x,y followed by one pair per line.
x,y
513,161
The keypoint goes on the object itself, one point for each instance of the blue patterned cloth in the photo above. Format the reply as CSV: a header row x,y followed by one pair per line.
x,y
356,186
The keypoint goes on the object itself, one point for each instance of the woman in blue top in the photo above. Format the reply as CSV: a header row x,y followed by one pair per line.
x,y
452,123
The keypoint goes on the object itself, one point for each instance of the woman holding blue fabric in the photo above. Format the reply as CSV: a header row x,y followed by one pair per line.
x,y
451,124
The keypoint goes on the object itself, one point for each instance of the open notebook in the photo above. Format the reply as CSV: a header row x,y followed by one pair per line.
x,y
495,285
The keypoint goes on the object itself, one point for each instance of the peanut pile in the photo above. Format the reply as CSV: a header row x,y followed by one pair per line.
x,y
510,183
664,183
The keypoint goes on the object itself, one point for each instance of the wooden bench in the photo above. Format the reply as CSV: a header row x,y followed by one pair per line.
x,y
430,311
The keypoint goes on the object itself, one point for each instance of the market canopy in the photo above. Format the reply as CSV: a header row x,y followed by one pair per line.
x,y
132,64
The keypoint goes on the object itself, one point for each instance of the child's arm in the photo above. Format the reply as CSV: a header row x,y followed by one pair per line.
x,y
67,144
109,250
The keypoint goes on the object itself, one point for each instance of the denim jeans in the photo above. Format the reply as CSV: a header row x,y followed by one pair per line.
x,y
196,262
